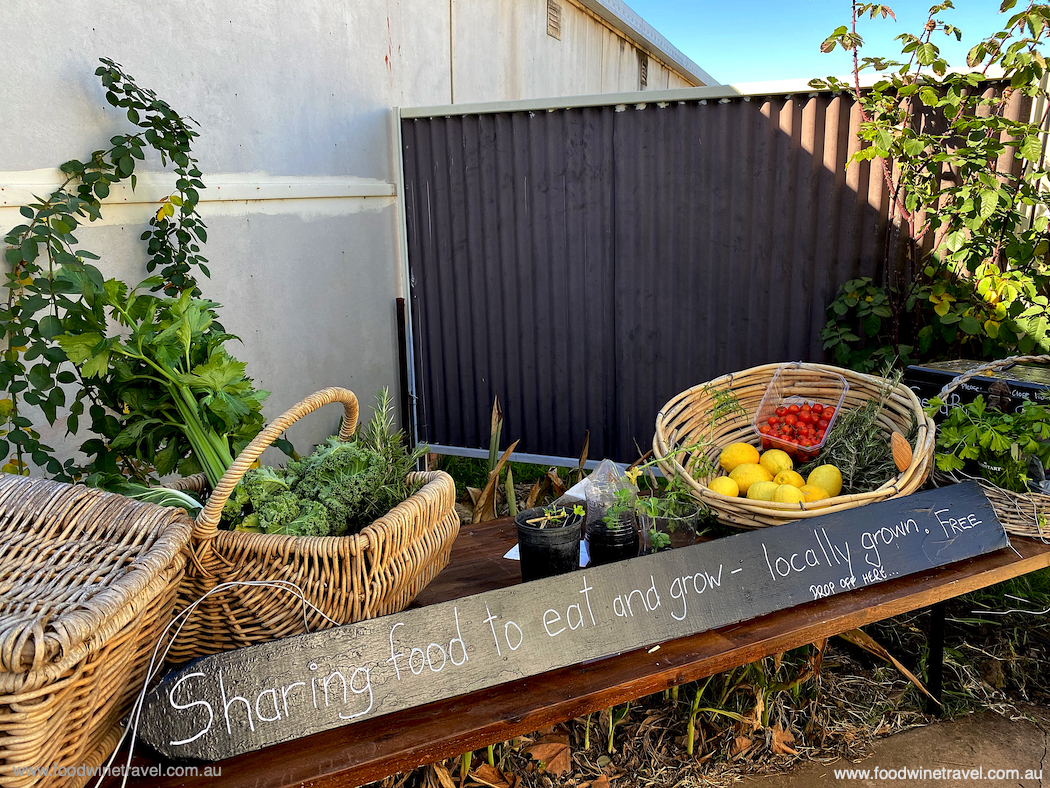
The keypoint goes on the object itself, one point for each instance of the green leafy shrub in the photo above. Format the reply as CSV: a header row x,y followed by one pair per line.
x,y
965,180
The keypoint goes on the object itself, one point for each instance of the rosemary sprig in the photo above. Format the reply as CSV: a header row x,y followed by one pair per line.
x,y
859,447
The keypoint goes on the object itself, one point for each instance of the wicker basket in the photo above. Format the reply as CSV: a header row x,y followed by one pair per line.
x,y
687,420
346,578
89,581
1019,513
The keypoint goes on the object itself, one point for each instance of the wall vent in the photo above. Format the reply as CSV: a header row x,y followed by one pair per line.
x,y
554,19
643,69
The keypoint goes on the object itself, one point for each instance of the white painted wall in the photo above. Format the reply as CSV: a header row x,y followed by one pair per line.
x,y
294,102
501,49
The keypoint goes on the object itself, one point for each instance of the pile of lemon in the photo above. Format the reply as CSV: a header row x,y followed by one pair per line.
x,y
771,477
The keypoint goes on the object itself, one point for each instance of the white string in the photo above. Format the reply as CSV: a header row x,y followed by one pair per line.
x,y
153,670
1013,609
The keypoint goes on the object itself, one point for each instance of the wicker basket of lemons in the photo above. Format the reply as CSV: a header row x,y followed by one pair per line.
x,y
709,436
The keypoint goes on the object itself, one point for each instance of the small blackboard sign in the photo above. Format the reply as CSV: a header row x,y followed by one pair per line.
x,y
238,701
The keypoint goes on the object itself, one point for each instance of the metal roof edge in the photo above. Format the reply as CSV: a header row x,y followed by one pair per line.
x,y
625,19
708,93
745,90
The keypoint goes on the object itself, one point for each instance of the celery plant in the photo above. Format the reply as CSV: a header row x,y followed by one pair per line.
x,y
177,398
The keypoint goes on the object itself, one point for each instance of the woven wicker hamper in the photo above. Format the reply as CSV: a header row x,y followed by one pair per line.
x,y
88,583
344,578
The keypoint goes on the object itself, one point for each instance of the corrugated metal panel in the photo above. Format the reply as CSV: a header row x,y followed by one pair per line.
x,y
587,264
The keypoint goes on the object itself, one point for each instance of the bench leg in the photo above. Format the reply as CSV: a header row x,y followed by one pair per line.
x,y
935,665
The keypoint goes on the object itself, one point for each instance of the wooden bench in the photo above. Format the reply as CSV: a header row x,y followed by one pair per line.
x,y
374,748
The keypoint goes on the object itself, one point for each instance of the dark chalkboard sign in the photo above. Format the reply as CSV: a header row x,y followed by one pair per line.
x,y
226,704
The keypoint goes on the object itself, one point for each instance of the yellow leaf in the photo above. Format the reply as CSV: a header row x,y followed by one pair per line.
x,y
6,406
160,212
942,308
991,328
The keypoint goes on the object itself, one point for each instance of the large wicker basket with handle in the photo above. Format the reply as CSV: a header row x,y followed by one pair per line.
x,y
691,419
1024,514
88,584
377,571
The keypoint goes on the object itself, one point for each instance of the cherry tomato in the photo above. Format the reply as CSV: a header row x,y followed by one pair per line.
x,y
793,408
790,419
805,408
822,424
771,421
828,413
817,407
765,444
782,411
820,434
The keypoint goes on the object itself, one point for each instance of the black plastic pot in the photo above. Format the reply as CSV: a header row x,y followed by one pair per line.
x,y
609,542
553,549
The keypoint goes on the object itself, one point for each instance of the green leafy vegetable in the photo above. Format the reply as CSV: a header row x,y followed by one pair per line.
x,y
976,432
339,489
161,365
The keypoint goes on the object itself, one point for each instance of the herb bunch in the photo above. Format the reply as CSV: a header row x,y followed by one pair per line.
x,y
975,431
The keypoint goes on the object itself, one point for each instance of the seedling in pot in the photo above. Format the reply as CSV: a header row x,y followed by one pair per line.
x,y
555,516
658,540
623,504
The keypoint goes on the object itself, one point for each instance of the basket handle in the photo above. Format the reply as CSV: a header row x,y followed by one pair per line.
x,y
991,366
206,525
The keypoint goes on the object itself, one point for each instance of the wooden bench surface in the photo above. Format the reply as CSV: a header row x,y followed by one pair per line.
x,y
374,748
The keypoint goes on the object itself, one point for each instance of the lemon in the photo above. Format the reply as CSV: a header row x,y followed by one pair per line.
x,y
788,493
723,485
737,454
762,491
748,473
828,478
776,461
812,493
794,478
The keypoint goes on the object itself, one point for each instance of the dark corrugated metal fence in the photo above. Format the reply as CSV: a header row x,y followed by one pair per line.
x,y
587,264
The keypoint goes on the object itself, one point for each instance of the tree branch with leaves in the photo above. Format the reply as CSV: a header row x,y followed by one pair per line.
x,y
975,275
